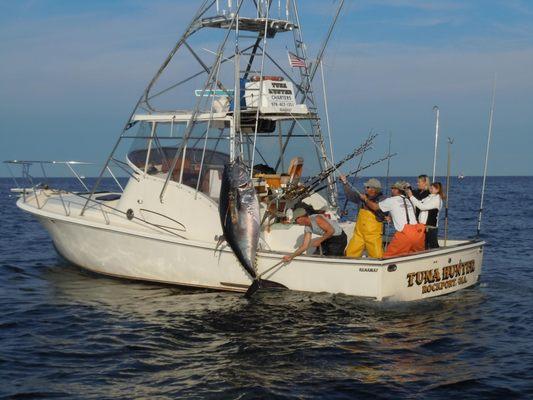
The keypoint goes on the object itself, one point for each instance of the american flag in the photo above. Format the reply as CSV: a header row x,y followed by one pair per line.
x,y
295,61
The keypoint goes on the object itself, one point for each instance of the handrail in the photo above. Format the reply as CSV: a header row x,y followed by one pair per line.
x,y
69,164
46,162
26,164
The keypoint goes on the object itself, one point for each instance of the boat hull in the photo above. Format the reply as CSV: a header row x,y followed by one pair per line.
x,y
133,255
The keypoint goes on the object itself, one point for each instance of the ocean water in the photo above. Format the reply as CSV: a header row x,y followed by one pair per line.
x,y
67,333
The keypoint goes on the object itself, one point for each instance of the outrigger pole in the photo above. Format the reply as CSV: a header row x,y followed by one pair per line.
x,y
313,68
388,165
450,142
386,226
437,111
491,115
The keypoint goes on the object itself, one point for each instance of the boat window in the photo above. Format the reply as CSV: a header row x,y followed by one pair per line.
x,y
161,160
156,145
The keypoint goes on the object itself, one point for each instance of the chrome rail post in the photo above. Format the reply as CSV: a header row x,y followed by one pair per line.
x,y
149,150
67,213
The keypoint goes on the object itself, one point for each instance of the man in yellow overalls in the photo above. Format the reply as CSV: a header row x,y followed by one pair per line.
x,y
369,225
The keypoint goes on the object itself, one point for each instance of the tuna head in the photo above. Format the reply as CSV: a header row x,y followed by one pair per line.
x,y
239,214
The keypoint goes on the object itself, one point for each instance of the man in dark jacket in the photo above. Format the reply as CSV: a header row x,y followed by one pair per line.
x,y
422,190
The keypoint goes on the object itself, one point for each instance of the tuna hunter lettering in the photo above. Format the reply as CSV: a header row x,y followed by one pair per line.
x,y
437,279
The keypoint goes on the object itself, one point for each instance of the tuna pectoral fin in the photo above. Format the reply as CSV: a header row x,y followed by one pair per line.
x,y
221,239
262,284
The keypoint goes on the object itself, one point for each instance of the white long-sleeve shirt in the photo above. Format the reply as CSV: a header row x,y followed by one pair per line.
x,y
431,202
399,207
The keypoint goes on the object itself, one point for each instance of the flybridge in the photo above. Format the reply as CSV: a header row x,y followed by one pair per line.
x,y
278,102
261,16
277,97
273,26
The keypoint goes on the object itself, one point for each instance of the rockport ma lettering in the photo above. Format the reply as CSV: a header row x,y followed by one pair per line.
x,y
436,279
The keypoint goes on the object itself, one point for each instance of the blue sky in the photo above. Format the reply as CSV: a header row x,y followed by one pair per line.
x,y
70,71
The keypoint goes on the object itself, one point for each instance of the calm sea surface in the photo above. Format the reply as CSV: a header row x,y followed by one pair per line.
x,y
66,333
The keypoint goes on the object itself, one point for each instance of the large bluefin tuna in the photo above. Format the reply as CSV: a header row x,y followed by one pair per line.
x,y
239,214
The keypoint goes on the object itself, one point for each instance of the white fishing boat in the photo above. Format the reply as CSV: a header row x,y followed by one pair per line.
x,y
164,226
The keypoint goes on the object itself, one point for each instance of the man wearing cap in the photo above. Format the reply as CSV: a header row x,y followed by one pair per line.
x,y
332,239
368,229
410,235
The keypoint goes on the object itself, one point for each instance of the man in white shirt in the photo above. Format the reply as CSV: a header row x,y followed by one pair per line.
x,y
410,235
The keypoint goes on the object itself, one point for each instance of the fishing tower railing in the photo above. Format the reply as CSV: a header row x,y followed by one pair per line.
x,y
248,27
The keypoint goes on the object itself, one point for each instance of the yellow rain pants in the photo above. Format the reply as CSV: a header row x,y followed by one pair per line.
x,y
367,234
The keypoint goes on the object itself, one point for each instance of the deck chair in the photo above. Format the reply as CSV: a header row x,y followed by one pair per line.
x,y
295,170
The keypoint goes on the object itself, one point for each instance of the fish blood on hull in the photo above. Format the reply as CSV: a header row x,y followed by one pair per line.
x,y
239,214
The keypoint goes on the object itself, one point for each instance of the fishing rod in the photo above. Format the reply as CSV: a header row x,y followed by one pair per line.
x,y
365,146
308,193
450,142
491,115
387,157
343,212
300,192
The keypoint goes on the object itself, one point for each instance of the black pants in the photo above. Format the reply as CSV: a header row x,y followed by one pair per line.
x,y
335,245
432,238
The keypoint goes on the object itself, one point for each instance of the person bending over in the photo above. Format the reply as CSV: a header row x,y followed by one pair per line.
x,y
368,230
332,240
410,235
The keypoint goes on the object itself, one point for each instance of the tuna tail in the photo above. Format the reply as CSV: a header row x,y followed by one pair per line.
x,y
259,283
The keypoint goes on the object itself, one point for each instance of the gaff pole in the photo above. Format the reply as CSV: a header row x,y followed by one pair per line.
x,y
491,115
